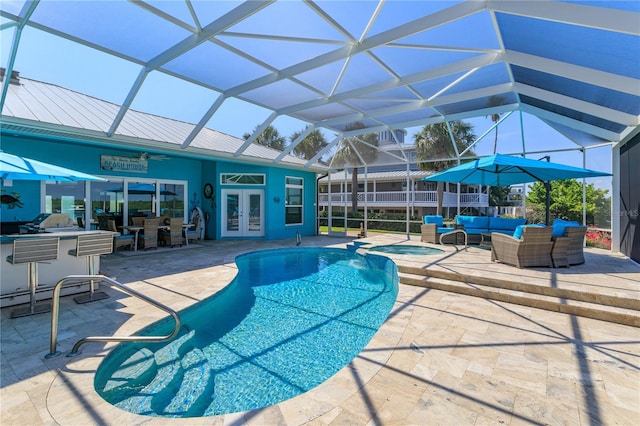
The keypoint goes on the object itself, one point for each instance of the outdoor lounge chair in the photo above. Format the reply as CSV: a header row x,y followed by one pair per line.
x,y
533,249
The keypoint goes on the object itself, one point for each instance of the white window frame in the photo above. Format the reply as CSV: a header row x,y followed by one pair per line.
x,y
299,186
234,179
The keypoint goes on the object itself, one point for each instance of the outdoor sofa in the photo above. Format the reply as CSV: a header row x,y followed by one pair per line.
x,y
475,226
533,248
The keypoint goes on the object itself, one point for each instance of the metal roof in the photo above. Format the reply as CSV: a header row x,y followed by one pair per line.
x,y
387,64
50,110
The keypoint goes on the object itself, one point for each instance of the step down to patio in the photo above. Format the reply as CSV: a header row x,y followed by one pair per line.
x,y
609,308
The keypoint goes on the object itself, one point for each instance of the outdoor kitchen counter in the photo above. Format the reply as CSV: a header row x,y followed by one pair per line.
x,y
14,288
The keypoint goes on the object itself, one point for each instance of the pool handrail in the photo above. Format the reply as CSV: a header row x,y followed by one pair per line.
x,y
456,231
55,309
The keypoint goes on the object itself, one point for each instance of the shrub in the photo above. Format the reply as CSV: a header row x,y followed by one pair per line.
x,y
599,239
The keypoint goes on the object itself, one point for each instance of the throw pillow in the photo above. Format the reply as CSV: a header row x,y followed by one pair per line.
x,y
520,229
559,226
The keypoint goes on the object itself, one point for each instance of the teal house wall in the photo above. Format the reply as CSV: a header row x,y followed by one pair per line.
x,y
85,157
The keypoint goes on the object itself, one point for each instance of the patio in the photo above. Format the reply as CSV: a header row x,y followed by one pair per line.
x,y
440,358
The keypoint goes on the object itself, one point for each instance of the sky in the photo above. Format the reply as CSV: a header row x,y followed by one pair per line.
x,y
67,64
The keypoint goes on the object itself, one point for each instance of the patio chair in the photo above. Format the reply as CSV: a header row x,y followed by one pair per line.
x,y
173,235
137,220
433,227
575,251
533,249
191,234
102,222
150,237
119,240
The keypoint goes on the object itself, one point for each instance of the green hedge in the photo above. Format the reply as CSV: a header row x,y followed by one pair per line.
x,y
375,222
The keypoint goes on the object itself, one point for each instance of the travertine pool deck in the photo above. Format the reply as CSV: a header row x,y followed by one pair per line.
x,y
440,358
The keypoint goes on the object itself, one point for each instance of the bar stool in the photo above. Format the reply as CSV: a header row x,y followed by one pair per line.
x,y
90,246
31,251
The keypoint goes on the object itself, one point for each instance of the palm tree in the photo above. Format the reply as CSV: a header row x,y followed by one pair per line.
x,y
310,145
354,149
493,101
434,142
269,137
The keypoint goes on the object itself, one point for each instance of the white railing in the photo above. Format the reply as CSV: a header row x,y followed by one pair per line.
x,y
399,199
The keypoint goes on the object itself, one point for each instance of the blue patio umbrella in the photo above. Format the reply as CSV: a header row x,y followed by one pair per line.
x,y
14,167
505,170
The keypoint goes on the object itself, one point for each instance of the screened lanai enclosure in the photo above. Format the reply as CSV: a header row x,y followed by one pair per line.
x,y
345,68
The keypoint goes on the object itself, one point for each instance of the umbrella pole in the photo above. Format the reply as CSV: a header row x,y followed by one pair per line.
x,y
547,187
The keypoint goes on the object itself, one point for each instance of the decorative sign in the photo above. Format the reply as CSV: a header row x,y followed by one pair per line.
x,y
123,164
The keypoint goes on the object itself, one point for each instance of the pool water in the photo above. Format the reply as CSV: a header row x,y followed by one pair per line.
x,y
406,249
291,319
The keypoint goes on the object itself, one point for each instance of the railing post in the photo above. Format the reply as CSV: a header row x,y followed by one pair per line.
x,y
55,302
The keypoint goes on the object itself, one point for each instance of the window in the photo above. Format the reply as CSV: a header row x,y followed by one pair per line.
x,y
65,197
294,188
242,179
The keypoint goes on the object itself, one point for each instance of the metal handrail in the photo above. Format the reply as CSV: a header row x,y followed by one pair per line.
x,y
456,231
55,309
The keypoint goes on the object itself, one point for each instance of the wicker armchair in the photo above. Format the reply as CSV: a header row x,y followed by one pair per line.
x,y
119,240
433,227
534,249
173,235
575,251
137,220
150,237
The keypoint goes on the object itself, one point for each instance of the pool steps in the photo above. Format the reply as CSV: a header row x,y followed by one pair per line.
x,y
610,308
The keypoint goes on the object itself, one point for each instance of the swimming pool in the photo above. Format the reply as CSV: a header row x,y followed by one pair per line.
x,y
290,319
406,249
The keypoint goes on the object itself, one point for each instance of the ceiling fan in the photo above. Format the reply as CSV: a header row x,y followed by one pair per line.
x,y
147,156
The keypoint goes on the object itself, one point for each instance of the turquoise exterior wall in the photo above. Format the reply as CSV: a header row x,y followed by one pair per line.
x,y
275,227
86,158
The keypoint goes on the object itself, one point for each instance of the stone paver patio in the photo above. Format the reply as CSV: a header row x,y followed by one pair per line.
x,y
440,358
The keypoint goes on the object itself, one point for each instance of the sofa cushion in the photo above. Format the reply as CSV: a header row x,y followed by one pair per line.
x,y
559,226
497,224
437,219
520,229
473,222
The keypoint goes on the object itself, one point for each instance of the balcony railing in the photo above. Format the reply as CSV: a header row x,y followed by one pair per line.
x,y
399,199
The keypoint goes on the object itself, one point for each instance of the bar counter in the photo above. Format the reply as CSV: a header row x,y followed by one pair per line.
x,y
14,286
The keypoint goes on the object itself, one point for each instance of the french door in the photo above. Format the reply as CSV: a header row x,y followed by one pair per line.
x,y
242,213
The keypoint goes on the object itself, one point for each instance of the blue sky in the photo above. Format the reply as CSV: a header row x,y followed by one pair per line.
x,y
58,61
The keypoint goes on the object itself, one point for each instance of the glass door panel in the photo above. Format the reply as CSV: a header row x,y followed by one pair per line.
x,y
141,199
242,213
231,212
172,200
254,213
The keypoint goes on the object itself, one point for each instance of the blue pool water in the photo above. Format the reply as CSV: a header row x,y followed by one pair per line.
x,y
406,249
291,319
